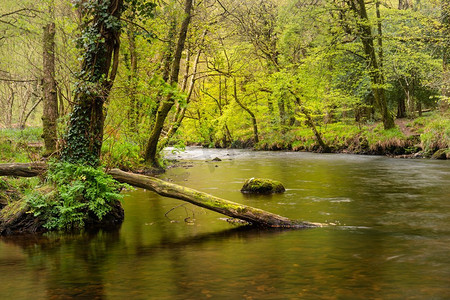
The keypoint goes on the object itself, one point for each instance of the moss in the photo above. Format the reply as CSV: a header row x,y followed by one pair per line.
x,y
12,210
262,186
440,154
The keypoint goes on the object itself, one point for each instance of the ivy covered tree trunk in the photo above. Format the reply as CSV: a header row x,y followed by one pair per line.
x,y
168,102
50,113
100,41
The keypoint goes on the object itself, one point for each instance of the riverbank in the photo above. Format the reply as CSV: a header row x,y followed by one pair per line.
x,y
423,137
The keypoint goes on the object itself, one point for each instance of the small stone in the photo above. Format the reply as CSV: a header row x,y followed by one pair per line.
x,y
262,186
216,159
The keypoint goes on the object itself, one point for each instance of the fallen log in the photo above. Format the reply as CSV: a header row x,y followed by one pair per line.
x,y
254,216
23,169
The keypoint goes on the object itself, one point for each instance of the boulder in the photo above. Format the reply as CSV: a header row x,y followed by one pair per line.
x,y
262,186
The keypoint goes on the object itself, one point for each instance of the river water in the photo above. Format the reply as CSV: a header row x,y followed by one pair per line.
x,y
387,236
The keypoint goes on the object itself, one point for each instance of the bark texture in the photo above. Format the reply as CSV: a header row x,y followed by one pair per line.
x,y
23,169
85,136
50,113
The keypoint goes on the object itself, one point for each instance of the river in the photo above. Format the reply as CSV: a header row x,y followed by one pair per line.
x,y
387,236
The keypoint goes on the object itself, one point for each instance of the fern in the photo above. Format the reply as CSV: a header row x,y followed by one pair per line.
x,y
81,192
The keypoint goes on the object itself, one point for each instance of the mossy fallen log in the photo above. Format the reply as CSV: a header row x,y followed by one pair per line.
x,y
14,218
254,216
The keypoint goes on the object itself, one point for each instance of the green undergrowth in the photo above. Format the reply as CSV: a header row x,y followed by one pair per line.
x,y
73,195
20,145
341,138
121,152
12,189
436,135
427,135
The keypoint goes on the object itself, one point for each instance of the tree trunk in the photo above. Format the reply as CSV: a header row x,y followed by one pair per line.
x,y
254,216
134,108
169,101
445,103
23,169
375,72
50,113
181,109
310,122
401,107
85,136
10,105
404,4
252,115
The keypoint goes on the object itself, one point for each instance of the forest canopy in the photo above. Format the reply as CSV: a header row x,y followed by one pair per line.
x,y
324,75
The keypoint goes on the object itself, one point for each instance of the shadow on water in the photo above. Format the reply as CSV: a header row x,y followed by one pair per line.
x,y
243,233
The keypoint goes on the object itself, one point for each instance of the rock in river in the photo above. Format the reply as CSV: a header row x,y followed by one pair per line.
x,y
262,186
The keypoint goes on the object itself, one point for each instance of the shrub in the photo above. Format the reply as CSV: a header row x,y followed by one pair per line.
x,y
80,193
436,135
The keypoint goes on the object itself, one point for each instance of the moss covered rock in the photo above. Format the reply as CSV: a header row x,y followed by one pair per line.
x,y
262,186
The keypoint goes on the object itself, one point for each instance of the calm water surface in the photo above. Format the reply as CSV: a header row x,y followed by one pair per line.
x,y
388,236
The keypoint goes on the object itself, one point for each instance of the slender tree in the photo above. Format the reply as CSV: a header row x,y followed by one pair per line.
x,y
169,100
445,6
50,113
375,72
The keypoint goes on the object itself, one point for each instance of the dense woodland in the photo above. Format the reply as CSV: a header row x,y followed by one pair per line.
x,y
302,75
113,82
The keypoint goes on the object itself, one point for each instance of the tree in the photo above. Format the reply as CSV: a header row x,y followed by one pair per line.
x,y
169,100
100,40
50,113
358,7
20,67
445,6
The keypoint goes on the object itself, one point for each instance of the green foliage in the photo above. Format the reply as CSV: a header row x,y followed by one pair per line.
x,y
97,21
29,134
121,152
20,145
12,189
82,193
79,148
436,134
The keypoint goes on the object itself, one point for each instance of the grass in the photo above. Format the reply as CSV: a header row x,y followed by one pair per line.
x,y
432,132
436,134
20,145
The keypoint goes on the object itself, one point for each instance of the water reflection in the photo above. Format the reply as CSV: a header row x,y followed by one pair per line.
x,y
390,240
72,265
